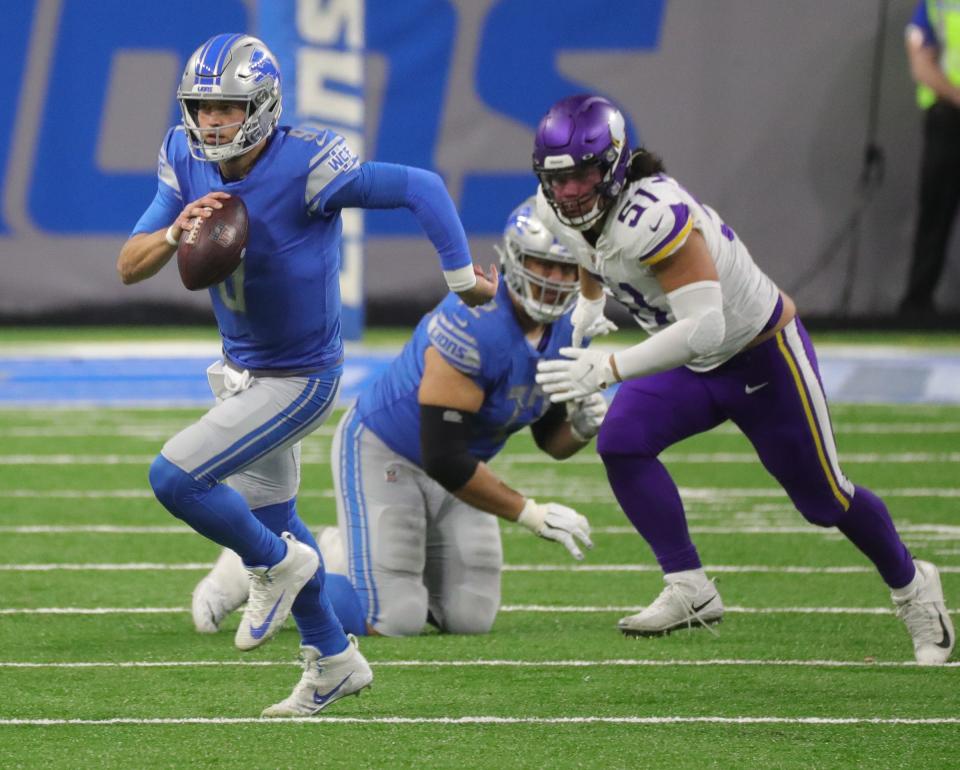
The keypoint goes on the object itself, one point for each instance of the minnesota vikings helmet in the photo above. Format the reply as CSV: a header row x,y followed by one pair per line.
x,y
543,298
579,133
236,68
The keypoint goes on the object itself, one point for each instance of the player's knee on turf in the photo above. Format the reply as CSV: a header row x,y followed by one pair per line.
x,y
402,616
468,614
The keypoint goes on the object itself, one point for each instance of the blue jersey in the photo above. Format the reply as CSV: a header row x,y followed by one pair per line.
x,y
487,344
280,310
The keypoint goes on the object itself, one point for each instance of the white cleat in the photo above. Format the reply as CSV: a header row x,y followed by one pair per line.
x,y
688,601
324,681
331,549
220,592
272,592
925,615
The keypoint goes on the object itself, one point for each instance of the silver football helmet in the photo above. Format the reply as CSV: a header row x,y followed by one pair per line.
x,y
544,299
235,68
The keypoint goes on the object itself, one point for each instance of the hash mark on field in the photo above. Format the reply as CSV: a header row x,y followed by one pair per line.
x,y
491,720
494,663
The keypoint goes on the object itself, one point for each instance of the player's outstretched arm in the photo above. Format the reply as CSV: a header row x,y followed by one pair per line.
x,y
389,186
145,254
448,400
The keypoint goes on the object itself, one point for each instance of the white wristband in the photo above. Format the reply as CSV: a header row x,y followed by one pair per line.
x,y
461,279
532,516
168,236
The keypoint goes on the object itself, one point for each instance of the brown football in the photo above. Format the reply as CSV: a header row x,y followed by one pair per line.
x,y
213,248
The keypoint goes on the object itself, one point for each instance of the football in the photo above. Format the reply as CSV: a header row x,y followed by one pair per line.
x,y
212,249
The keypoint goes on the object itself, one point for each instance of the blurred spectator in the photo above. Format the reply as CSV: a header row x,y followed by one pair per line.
x,y
933,49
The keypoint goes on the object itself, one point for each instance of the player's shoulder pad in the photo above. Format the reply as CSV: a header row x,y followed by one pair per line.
x,y
173,153
322,155
651,225
468,339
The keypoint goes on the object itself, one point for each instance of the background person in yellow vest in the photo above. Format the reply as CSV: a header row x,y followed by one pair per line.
x,y
933,49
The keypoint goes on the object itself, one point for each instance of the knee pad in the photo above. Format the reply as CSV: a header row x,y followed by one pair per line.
x,y
622,438
473,614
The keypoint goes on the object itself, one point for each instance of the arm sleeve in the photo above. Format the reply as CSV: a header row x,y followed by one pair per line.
x,y
391,186
921,20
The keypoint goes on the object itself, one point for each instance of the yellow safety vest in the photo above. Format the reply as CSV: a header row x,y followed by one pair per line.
x,y
944,17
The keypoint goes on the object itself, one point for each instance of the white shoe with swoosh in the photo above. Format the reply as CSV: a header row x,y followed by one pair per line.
x,y
688,601
925,615
324,681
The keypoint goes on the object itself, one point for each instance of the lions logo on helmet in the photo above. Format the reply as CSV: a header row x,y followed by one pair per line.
x,y
234,68
543,297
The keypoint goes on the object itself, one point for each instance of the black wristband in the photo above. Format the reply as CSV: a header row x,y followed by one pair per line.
x,y
444,453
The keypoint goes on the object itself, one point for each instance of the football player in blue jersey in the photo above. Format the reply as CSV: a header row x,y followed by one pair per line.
x,y
413,487
233,475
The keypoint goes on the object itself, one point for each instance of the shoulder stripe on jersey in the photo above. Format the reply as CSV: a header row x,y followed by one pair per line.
x,y
166,174
674,239
455,328
332,161
455,350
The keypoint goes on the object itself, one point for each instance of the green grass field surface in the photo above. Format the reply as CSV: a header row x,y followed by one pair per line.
x,y
101,667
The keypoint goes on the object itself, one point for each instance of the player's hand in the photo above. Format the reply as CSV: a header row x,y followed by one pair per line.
x,y
201,207
582,373
588,319
553,521
586,415
484,290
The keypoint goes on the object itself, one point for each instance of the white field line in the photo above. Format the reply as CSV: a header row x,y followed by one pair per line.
x,y
490,720
162,431
311,458
652,568
695,494
926,531
490,663
535,608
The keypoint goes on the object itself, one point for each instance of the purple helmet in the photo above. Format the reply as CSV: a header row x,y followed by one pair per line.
x,y
579,133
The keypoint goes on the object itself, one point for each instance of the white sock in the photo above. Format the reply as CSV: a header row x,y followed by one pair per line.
x,y
909,589
695,576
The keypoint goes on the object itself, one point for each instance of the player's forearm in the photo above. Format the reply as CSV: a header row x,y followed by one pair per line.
x,y
560,443
143,256
925,70
487,492
590,287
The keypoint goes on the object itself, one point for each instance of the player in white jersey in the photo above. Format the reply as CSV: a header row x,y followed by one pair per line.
x,y
414,491
725,344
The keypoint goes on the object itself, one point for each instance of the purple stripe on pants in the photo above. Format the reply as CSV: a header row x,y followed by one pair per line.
x,y
758,390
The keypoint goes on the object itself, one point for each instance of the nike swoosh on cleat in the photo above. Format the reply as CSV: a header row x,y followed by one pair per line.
x,y
944,643
321,699
257,632
697,608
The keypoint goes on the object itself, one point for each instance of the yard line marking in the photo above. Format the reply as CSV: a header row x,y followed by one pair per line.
x,y
652,568
318,458
485,663
945,532
505,608
486,720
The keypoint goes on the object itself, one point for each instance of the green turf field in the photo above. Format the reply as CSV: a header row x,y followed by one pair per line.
x,y
809,669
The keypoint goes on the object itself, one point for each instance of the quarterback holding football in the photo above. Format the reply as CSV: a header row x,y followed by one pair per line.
x,y
233,475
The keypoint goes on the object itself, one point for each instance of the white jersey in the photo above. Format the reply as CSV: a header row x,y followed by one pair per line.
x,y
649,221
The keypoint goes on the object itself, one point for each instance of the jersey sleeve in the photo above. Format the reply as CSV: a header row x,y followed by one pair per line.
x,y
920,20
466,339
168,201
331,166
652,233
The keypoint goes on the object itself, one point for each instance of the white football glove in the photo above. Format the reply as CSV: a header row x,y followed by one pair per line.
x,y
553,521
588,319
583,372
586,415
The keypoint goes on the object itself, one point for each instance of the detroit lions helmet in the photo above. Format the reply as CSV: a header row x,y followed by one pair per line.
x,y
578,133
236,68
543,298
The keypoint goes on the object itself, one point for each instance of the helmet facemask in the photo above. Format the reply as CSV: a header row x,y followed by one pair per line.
x,y
580,134
543,298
